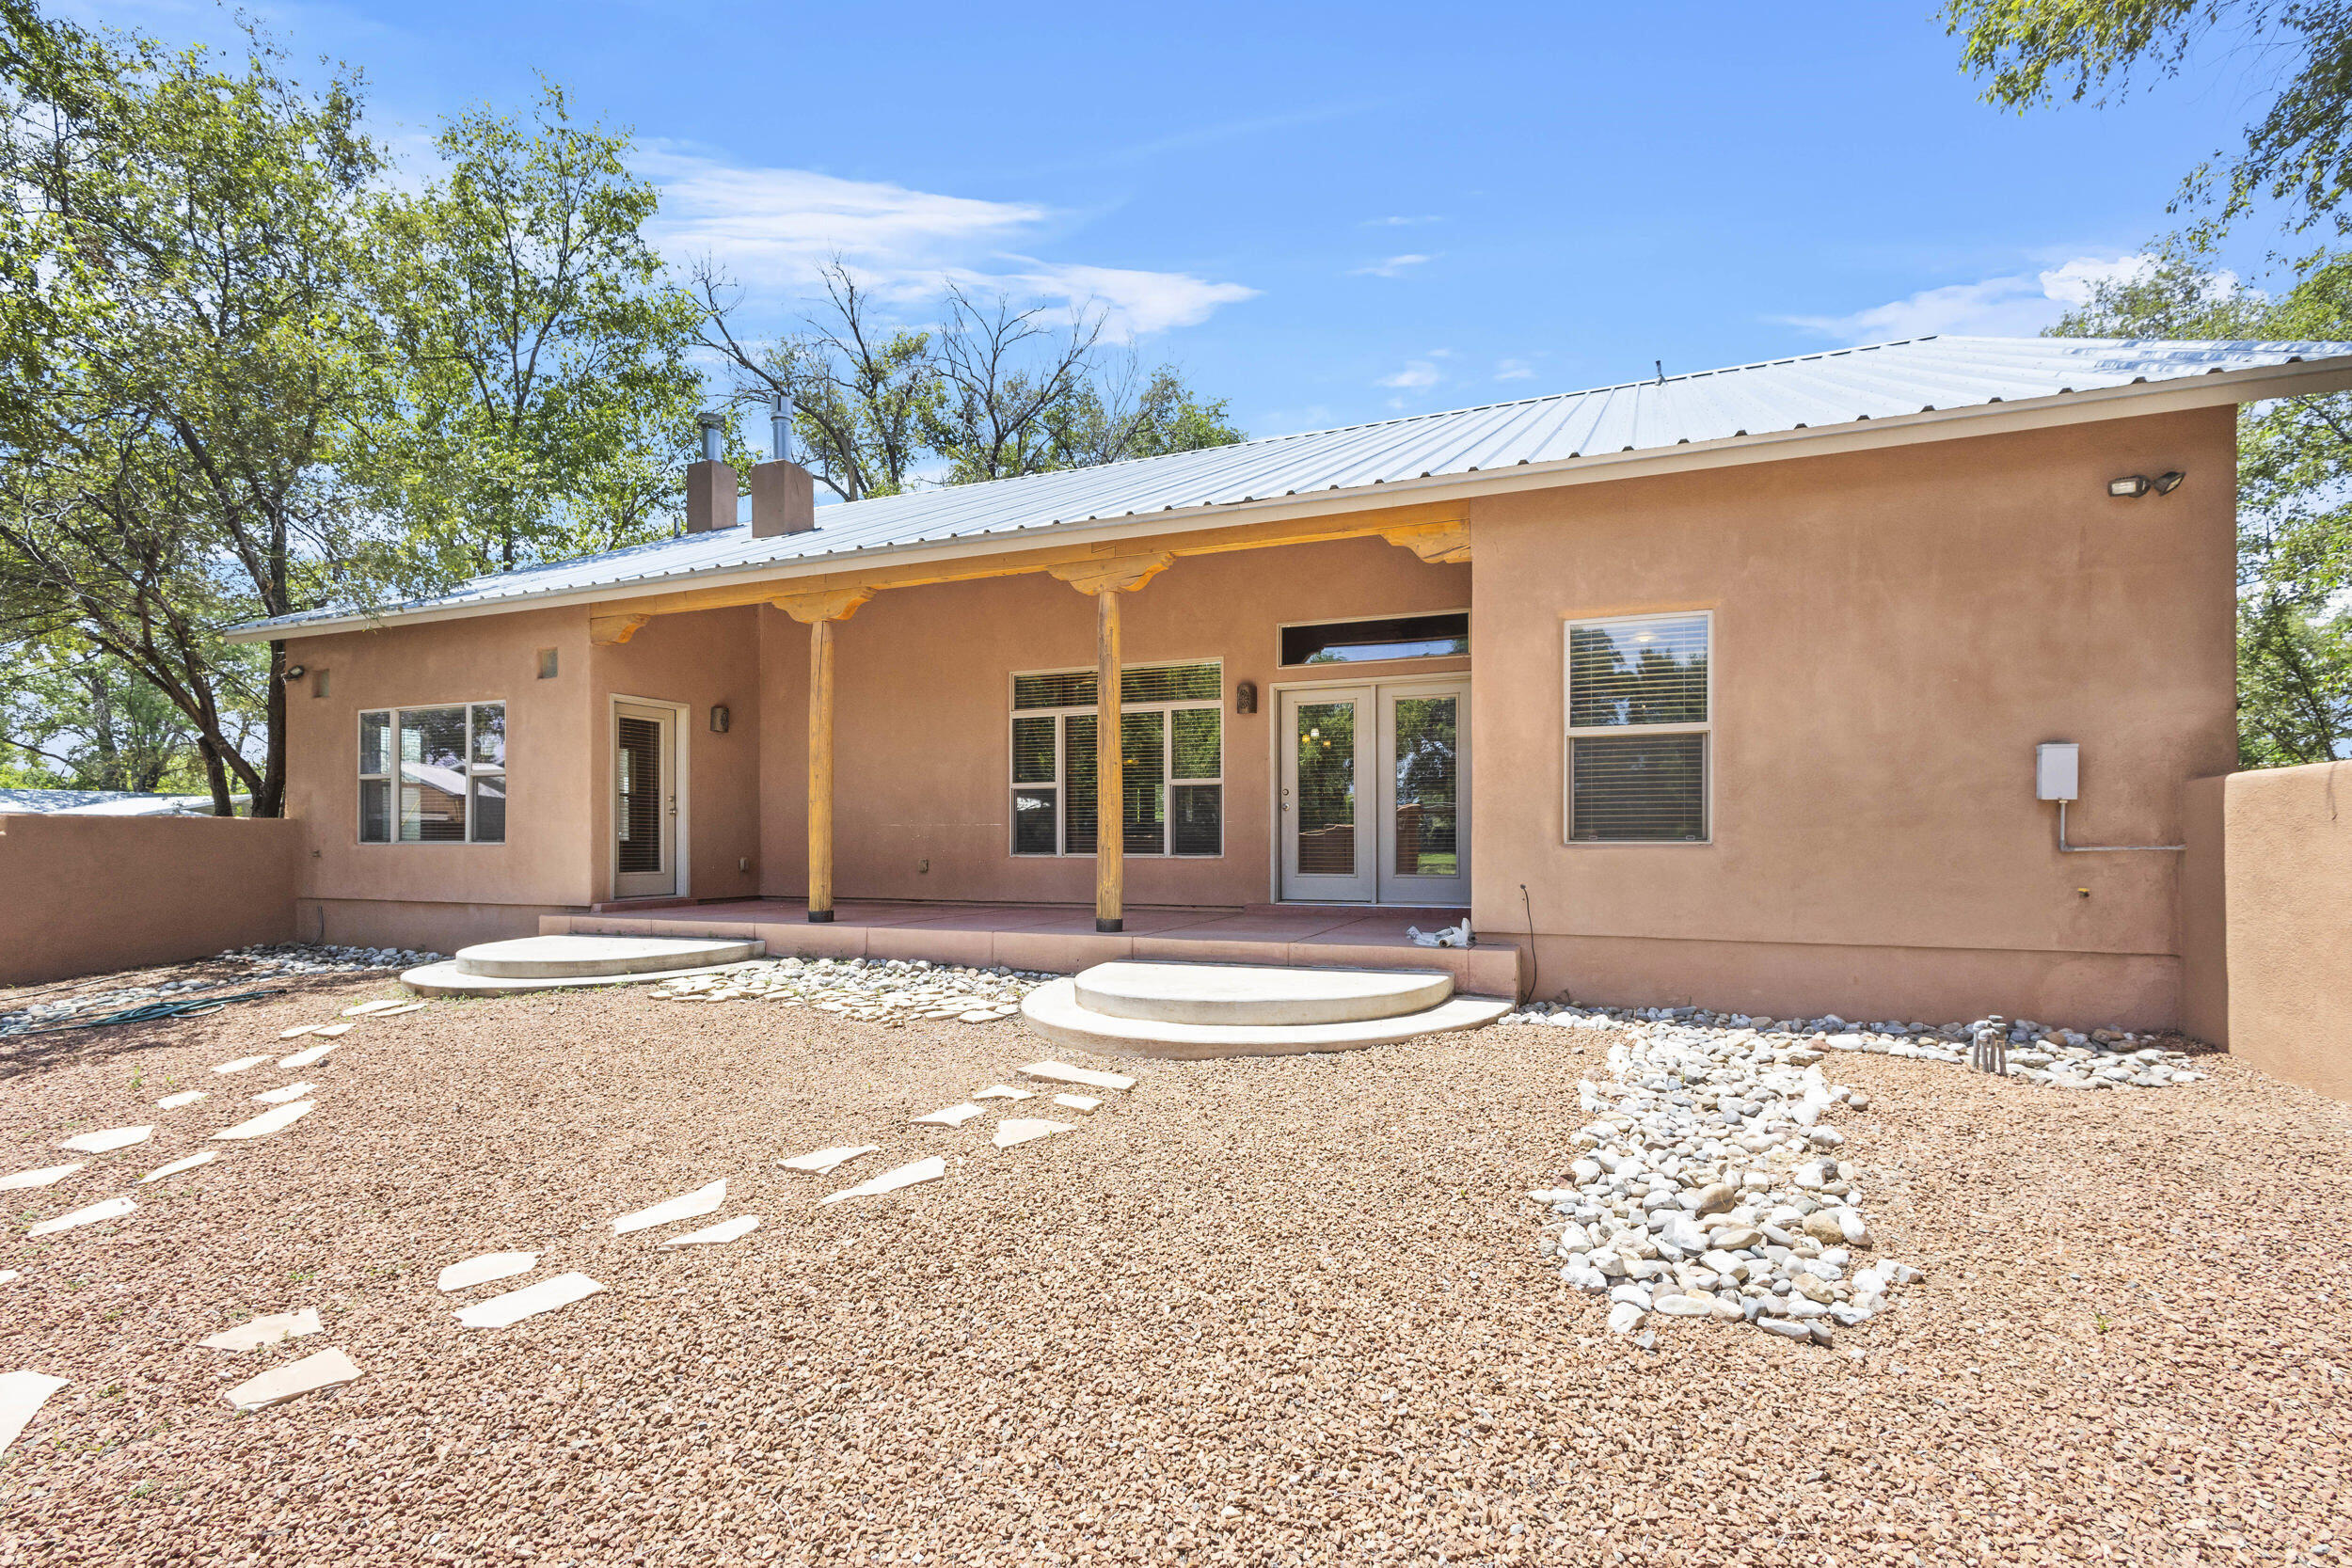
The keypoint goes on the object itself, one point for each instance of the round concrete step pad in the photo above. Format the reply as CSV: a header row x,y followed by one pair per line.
x,y
447,979
1054,1011
1257,993
579,958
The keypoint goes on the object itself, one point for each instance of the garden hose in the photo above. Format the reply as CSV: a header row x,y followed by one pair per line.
x,y
193,1006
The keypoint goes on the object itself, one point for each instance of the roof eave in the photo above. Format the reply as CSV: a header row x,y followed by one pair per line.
x,y
2256,383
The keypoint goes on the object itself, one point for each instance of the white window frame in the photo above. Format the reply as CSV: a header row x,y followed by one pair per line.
x,y
391,779
1572,733
1060,783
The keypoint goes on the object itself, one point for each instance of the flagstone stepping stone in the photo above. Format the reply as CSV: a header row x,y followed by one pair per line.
x,y
1000,1091
381,1004
112,1137
824,1162
702,1200
7,1274
113,1209
22,1395
1021,1129
337,1030
242,1063
185,1097
268,1121
256,1332
42,1177
404,1007
1062,1072
328,1368
725,1230
954,1116
1085,1105
309,1057
529,1302
206,1157
891,1181
489,1266
300,1029
280,1097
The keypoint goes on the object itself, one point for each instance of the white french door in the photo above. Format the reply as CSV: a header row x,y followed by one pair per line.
x,y
644,805
1375,793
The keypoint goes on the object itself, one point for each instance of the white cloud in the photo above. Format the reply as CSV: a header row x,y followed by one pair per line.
x,y
771,229
1394,267
2011,307
1417,374
1514,370
1403,222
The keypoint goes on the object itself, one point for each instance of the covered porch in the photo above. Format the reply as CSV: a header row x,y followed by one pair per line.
x,y
1063,939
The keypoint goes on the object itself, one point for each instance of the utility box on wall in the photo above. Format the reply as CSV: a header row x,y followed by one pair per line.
x,y
2058,770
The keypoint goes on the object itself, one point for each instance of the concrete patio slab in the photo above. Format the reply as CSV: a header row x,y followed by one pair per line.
x,y
256,1332
45,1176
112,1138
702,1200
891,1181
725,1230
328,1368
267,1122
22,1395
204,1157
113,1209
529,1302
824,1162
1257,993
481,1269
1054,1011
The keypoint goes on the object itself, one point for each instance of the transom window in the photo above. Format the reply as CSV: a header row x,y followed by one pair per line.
x,y
1172,761
432,775
1444,634
1639,726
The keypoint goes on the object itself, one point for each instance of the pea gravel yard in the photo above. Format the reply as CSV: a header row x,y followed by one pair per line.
x,y
1276,1311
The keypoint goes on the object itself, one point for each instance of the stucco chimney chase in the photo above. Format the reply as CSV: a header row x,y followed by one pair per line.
x,y
783,500
710,483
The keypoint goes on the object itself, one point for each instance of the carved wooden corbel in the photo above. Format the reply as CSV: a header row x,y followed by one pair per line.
x,y
832,604
1122,574
606,632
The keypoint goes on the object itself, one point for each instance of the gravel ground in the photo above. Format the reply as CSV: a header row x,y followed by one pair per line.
x,y
1275,1310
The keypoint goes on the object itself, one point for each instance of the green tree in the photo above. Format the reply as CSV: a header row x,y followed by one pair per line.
x,y
545,402
2294,494
73,718
1121,413
183,345
2298,152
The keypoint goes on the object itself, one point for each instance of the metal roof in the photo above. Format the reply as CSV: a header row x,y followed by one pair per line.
x,y
1808,392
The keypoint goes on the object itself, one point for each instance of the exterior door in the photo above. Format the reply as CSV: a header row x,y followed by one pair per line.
x,y
644,808
1326,794
1375,786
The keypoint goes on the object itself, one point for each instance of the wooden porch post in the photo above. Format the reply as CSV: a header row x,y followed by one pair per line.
x,y
1106,580
818,612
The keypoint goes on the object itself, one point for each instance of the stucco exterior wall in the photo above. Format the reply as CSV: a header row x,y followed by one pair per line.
x,y
86,894
923,717
1893,632
2271,906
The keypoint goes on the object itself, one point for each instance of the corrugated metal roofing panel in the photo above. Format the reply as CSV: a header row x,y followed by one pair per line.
x,y
1815,391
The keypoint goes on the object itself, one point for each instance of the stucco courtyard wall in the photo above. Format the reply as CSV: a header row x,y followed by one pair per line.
x,y
86,894
923,717
2268,921
1894,632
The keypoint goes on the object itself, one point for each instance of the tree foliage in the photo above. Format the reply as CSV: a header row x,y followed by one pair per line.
x,y
2297,152
2294,494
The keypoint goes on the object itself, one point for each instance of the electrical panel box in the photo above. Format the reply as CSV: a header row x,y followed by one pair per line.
x,y
2058,770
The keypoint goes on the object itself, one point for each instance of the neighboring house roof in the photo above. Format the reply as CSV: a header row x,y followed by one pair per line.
x,y
107,802
1788,405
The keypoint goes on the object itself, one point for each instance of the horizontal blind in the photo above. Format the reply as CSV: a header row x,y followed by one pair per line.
x,y
1146,683
641,795
1651,672
1639,787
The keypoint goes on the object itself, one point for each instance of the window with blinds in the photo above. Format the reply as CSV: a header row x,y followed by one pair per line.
x,y
1639,729
432,775
1171,761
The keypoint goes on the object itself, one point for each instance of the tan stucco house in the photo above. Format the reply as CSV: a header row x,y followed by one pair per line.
x,y
1723,688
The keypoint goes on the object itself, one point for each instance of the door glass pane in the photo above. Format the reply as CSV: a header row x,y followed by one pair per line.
x,y
432,775
637,821
1143,782
1077,762
1427,781
1326,789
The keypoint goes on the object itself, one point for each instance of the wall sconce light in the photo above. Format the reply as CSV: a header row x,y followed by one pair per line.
x,y
2132,486
295,672
1246,697
718,719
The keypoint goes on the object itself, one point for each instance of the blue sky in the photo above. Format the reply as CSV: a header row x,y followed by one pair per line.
x,y
1335,213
